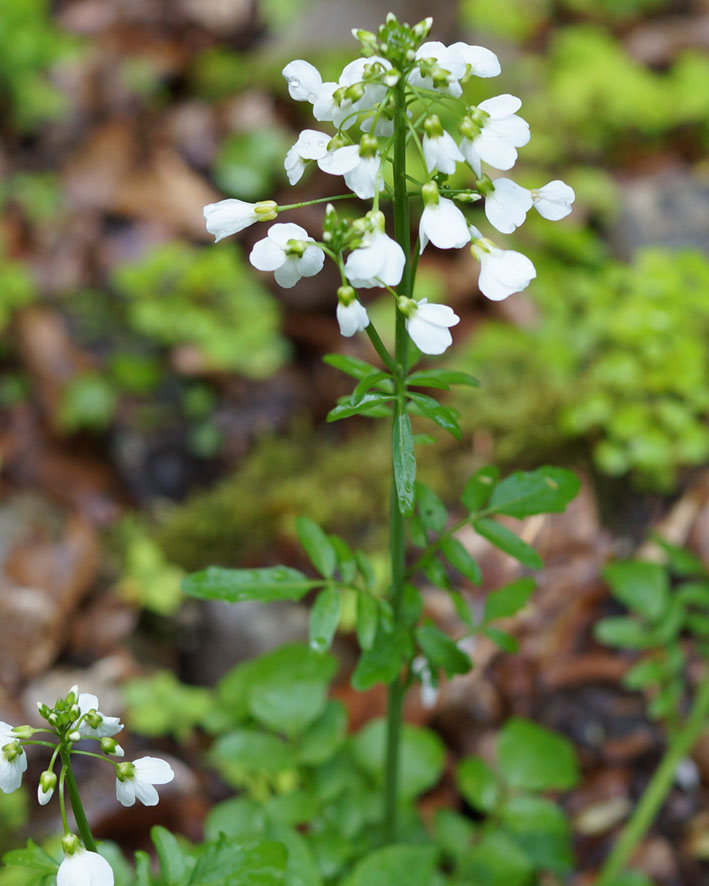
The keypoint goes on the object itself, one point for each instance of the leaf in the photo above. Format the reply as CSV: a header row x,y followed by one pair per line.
x,y
366,570
479,488
460,559
441,652
504,539
441,378
237,585
351,366
643,587
417,532
436,573
628,633
533,758
694,593
540,828
258,864
478,784
443,416
325,735
505,641
495,860
383,661
404,463
31,857
369,381
412,865
431,509
241,754
508,600
422,756
681,561
324,618
366,405
453,832
367,620
317,546
173,864
543,491
462,608
346,563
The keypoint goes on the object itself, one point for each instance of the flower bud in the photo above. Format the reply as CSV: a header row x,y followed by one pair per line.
x,y
391,78
23,731
406,305
125,771
432,126
45,789
355,92
346,295
70,843
422,29
74,736
110,746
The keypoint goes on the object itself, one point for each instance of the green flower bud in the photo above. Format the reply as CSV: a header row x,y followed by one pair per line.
x,y
296,248
23,731
355,92
74,736
432,126
422,29
266,210
429,193
346,295
368,146
70,843
125,771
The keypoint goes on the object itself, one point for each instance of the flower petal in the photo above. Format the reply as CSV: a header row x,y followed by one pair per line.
x,y
154,770
304,80
554,200
228,217
288,274
341,160
501,105
483,62
266,255
125,792
311,261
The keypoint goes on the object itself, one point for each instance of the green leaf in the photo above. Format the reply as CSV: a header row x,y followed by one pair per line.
x,y
421,762
631,878
462,608
383,661
413,865
259,864
543,491
317,546
642,587
504,539
173,864
628,633
346,563
366,570
324,619
241,754
351,366
533,758
143,875
431,509
681,561
404,463
325,735
240,818
441,652
237,585
479,488
436,573
460,559
508,600
495,860
478,784
540,828
443,416
367,620
505,641
417,532
411,605
301,869
31,857
346,408
694,593
647,672
366,383
441,378
453,832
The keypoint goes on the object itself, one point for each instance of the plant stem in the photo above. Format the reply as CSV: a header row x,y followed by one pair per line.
x,y
78,810
659,786
397,521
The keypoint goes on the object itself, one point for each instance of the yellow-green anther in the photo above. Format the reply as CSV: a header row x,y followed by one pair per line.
x,y
346,295
266,210
429,193
432,126
368,146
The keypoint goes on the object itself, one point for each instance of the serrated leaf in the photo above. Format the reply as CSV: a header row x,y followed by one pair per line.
x,y
478,784
441,378
367,620
444,416
236,585
324,619
430,508
173,864
442,653
534,759
404,460
317,546
461,559
258,864
642,587
479,488
506,540
366,406
546,490
508,600
351,366
369,381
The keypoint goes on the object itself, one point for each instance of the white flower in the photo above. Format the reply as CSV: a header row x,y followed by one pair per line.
x,y
428,325
340,102
352,318
502,271
507,205
136,780
429,691
84,868
443,68
304,81
285,250
481,62
379,260
361,170
441,221
311,145
107,727
13,760
494,135
439,150
231,216
554,200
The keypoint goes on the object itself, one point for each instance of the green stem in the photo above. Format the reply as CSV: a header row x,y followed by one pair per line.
x,y
397,522
78,810
658,788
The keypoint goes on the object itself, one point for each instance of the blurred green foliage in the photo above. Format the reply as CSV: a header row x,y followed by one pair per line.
x,y
250,164
17,288
160,705
147,578
30,44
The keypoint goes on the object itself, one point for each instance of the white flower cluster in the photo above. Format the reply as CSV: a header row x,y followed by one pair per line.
x,y
363,99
